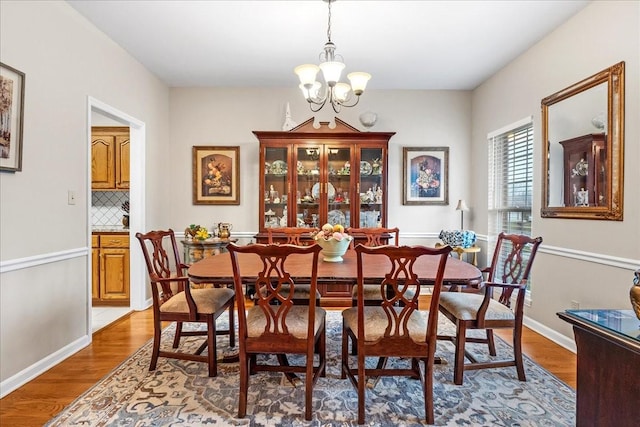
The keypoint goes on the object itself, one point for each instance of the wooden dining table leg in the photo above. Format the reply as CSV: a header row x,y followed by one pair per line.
x,y
291,376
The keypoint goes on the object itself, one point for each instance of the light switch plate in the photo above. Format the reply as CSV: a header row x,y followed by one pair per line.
x,y
71,197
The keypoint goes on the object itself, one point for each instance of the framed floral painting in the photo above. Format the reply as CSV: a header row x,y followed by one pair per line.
x,y
216,175
11,118
425,175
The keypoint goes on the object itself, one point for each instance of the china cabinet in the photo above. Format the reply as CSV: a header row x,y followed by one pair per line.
x,y
585,161
310,176
110,148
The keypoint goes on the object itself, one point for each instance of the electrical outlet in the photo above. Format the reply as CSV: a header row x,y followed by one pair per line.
x,y
575,305
71,197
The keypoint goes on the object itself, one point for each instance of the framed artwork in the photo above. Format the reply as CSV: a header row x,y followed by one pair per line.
x,y
11,118
216,175
425,176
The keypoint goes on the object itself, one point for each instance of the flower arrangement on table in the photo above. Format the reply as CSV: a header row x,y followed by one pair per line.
x,y
197,232
334,242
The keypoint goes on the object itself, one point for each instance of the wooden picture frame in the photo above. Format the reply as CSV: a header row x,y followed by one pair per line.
x,y
425,176
11,118
216,175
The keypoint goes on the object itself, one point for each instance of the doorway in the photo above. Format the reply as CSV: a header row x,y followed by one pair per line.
x,y
100,113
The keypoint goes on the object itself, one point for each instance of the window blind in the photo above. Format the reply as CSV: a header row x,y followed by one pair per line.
x,y
511,181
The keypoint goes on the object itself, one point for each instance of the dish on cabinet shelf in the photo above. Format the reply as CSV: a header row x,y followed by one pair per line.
x,y
278,167
336,217
315,191
365,168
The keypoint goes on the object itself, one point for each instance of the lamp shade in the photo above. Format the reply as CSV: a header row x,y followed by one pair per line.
x,y
341,91
462,206
358,81
331,71
307,74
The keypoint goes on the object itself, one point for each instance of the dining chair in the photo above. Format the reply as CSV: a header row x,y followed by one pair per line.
x,y
371,236
290,235
294,236
281,329
391,329
509,271
175,301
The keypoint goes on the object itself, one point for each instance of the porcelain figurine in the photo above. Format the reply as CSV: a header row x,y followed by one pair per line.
x,y
635,293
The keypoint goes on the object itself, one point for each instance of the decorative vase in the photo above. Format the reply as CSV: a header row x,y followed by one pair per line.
x,y
332,249
635,293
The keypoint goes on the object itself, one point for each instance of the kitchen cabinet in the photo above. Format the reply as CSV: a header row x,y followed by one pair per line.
x,y
110,269
110,152
310,176
585,162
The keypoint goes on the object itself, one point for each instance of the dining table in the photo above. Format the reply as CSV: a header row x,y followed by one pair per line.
x,y
217,270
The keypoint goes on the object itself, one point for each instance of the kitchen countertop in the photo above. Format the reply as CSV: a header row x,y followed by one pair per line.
x,y
109,229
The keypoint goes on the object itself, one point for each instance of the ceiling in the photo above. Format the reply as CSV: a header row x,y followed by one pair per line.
x,y
453,45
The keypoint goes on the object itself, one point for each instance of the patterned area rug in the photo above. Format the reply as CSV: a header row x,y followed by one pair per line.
x,y
179,393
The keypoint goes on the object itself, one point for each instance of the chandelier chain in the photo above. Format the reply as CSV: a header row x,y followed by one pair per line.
x,y
329,23
333,91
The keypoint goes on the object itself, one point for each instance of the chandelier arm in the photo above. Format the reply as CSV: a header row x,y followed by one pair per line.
x,y
344,104
318,104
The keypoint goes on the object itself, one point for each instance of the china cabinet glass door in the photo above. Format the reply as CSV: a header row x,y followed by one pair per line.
x,y
308,186
276,187
338,185
372,195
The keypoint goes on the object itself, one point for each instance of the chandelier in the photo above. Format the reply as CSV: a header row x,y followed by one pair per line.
x,y
337,93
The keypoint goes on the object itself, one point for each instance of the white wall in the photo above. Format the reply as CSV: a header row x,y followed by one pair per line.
x,y
225,116
44,245
582,260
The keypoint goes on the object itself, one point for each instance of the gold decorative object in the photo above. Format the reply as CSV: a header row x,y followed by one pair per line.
x,y
635,293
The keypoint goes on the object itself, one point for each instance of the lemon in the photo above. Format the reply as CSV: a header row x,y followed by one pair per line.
x,y
338,228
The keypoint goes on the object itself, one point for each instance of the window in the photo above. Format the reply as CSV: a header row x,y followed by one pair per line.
x,y
510,180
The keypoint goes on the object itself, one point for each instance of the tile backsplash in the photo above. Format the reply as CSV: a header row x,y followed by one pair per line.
x,y
106,207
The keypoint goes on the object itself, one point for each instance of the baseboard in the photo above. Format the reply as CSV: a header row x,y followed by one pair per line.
x,y
549,333
29,373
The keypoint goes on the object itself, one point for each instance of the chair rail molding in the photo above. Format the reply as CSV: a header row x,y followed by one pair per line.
x,y
608,260
33,261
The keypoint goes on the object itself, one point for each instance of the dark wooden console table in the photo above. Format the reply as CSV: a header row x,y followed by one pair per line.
x,y
608,386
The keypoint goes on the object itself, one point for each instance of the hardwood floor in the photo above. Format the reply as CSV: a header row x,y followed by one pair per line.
x,y
41,399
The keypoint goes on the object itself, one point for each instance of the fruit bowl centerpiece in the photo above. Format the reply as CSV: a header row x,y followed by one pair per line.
x,y
334,242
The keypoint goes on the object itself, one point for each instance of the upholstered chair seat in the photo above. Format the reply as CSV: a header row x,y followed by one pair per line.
x,y
208,301
376,322
297,321
465,306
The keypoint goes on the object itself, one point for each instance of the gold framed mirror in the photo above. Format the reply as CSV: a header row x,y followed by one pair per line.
x,y
583,148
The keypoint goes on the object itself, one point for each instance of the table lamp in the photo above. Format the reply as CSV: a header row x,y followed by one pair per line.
x,y
462,207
